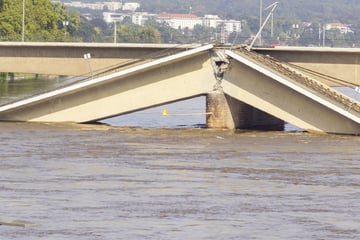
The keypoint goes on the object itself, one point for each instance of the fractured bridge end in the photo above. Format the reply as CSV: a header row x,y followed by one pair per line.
x,y
279,90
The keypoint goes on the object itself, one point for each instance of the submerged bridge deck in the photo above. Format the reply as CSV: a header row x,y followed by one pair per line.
x,y
260,81
290,95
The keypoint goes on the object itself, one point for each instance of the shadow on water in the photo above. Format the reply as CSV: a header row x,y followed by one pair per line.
x,y
23,87
153,118
11,90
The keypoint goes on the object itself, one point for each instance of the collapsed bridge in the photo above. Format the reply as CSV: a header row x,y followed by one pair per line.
x,y
244,90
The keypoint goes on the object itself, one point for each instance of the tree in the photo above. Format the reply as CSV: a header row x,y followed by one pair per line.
x,y
137,34
335,38
310,35
306,10
43,20
85,32
202,34
167,33
99,24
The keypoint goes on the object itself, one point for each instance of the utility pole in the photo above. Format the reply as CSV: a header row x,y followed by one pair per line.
x,y
115,31
23,23
273,7
260,23
324,33
319,35
272,25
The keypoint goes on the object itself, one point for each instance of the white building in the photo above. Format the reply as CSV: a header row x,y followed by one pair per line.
x,y
344,29
180,21
211,21
140,18
111,17
230,25
131,6
111,6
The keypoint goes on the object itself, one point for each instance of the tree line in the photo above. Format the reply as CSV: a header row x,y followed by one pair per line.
x,y
42,20
304,10
47,21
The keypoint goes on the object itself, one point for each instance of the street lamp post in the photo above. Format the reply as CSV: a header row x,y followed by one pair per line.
x,y
87,57
65,24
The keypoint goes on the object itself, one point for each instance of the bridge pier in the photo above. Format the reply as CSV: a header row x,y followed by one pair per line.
x,y
230,113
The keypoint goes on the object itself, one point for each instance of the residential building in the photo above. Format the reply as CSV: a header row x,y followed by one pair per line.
x,y
110,17
140,18
211,21
113,6
131,6
230,25
344,28
180,21
108,6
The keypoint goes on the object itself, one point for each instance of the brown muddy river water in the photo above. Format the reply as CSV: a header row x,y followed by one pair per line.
x,y
165,178
98,182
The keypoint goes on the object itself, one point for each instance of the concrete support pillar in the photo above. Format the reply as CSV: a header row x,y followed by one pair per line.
x,y
221,116
231,113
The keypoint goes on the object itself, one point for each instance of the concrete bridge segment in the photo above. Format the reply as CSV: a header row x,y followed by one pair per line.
x,y
278,95
183,75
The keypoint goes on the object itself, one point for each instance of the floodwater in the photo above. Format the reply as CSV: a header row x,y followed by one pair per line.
x,y
170,179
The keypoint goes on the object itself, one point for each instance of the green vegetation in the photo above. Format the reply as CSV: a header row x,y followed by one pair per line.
x,y
304,10
3,76
137,34
44,22
288,14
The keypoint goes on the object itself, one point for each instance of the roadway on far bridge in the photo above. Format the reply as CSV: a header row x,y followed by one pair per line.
x,y
67,59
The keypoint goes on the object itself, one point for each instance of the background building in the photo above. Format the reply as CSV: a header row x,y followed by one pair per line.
x,y
180,21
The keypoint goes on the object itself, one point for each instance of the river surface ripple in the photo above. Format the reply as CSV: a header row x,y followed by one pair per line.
x,y
100,182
